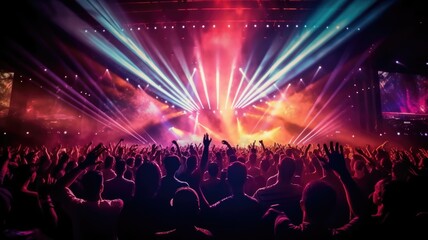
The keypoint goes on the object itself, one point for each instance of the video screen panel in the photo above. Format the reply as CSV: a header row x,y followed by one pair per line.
x,y
403,95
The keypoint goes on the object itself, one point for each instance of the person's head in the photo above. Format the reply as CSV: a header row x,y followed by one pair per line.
x,y
236,175
120,167
379,191
185,204
286,169
171,164
241,159
213,169
218,156
147,180
276,157
92,183
400,171
130,162
289,152
191,163
31,157
108,162
138,160
318,201
232,158
264,165
360,167
252,158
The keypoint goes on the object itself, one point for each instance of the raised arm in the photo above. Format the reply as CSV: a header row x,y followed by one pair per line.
x,y
204,159
336,161
178,149
89,161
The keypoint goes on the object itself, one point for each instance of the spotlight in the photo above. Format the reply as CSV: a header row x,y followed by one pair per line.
x,y
398,133
65,132
183,26
27,132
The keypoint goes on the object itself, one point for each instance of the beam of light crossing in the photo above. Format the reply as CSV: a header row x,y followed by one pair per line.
x,y
78,102
204,83
229,86
101,14
244,77
193,86
320,17
217,81
354,10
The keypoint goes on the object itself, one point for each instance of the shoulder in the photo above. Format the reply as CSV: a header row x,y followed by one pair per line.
x,y
115,203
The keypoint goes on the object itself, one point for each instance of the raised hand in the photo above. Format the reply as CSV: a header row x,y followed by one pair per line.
x,y
206,140
92,156
336,158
